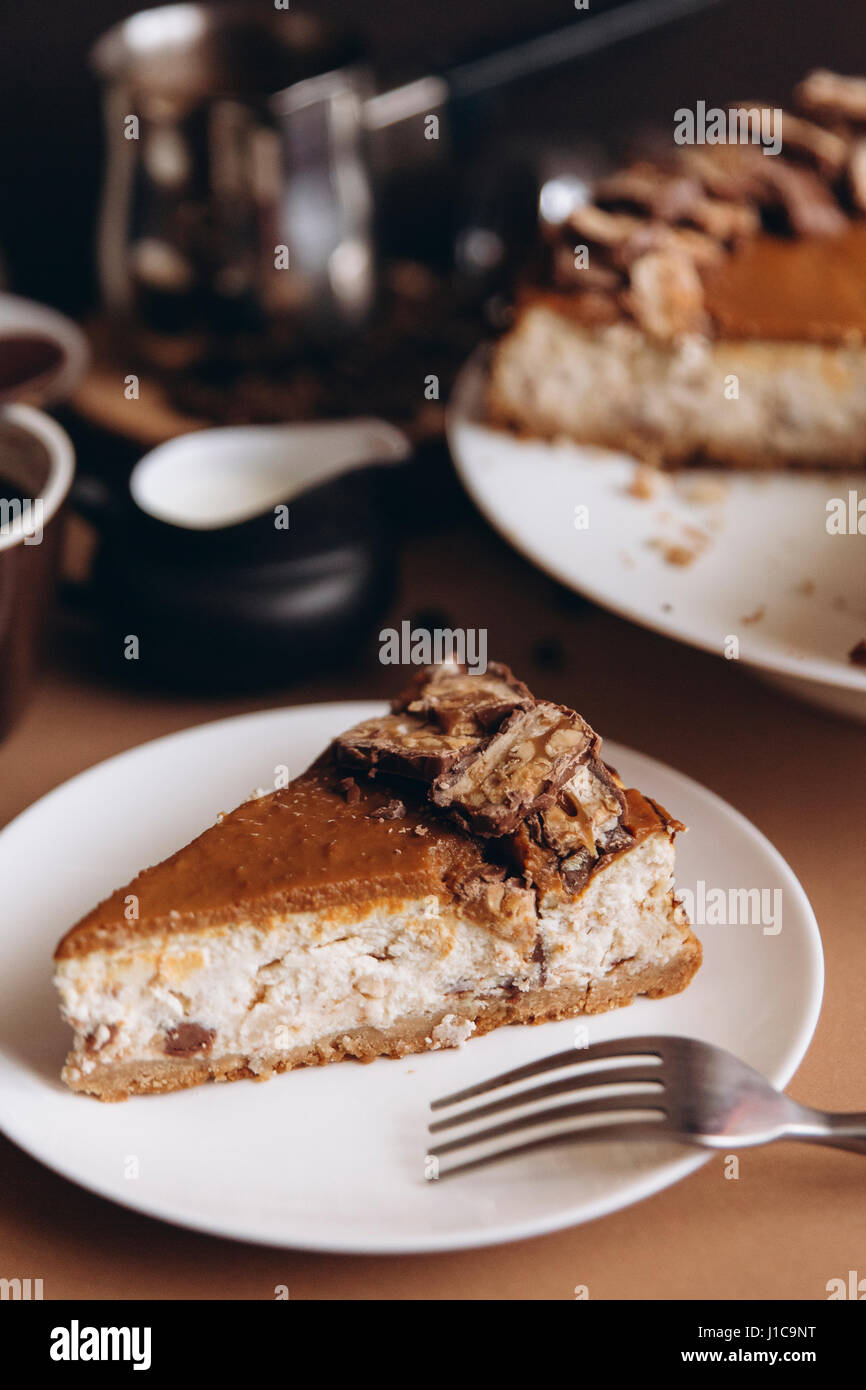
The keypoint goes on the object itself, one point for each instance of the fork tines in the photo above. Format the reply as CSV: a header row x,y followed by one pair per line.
x,y
630,1088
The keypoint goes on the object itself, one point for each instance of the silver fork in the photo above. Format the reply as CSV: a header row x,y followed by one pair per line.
x,y
664,1087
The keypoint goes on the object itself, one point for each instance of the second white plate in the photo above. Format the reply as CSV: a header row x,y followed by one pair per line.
x,y
331,1158
766,571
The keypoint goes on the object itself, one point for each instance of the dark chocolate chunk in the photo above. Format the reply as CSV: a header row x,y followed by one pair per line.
x,y
187,1039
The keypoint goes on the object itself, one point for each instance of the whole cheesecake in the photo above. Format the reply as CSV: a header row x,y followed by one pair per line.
x,y
709,307
467,861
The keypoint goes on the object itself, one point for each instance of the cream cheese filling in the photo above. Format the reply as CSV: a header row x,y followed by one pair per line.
x,y
265,991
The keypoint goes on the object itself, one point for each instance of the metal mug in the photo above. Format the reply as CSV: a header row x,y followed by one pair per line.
x,y
237,197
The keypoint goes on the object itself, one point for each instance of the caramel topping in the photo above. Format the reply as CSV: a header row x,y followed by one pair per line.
x,y
299,849
643,817
808,289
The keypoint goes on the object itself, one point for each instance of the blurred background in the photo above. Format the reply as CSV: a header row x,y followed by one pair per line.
x,y
204,338
51,140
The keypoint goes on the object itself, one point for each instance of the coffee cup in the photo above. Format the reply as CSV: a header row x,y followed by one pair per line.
x,y
36,471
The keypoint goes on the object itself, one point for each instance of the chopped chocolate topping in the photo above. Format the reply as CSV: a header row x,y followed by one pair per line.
x,y
698,248
828,95
600,228
593,797
566,833
461,704
731,172
187,1039
404,744
644,188
616,839
526,775
518,771
857,654
808,204
392,810
826,150
656,228
533,859
674,198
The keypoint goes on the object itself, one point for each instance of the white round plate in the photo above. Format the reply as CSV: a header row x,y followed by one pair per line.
x,y
331,1158
766,571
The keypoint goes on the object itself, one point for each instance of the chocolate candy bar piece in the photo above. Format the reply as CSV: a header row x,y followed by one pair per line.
x,y
460,703
404,745
493,787
587,809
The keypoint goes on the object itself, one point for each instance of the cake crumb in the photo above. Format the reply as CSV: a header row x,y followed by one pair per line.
x,y
679,555
452,1031
749,618
674,554
704,492
645,482
684,551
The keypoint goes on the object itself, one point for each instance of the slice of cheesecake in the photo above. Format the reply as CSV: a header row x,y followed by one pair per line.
x,y
709,306
464,862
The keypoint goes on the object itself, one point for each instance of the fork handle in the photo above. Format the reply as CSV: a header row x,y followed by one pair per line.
x,y
835,1130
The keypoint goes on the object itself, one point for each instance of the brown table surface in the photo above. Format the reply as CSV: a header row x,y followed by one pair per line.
x,y
795,1217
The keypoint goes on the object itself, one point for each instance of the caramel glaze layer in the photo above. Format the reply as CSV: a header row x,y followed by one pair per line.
x,y
797,290
309,848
